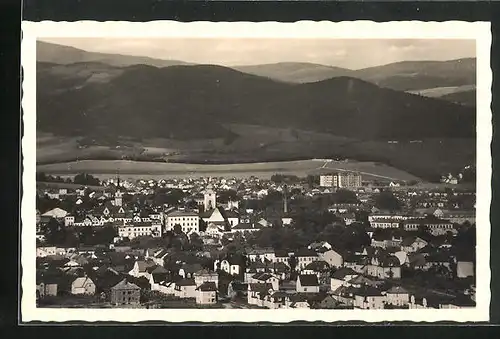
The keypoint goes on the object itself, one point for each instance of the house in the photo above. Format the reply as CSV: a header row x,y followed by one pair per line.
x,y
185,288
188,220
266,254
257,292
215,230
188,270
327,302
266,278
304,257
358,263
139,229
397,296
157,275
276,300
246,228
56,213
434,301
237,289
384,266
125,293
140,268
385,223
228,266
413,244
319,268
83,285
159,256
341,277
465,268
368,297
316,246
206,293
281,257
204,275
332,257
307,283
46,286
45,251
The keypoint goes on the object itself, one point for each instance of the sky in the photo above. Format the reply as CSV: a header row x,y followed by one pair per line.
x,y
346,53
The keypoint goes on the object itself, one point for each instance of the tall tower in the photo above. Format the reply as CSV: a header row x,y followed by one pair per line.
x,y
209,198
285,200
118,193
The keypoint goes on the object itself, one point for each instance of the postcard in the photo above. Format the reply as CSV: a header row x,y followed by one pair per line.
x,y
256,172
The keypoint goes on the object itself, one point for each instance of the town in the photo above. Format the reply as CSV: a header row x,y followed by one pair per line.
x,y
332,241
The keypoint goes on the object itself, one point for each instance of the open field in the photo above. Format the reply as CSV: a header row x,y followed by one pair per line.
x,y
302,168
254,146
440,91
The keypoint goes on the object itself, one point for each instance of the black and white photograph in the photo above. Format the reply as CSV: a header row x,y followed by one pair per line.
x,y
233,172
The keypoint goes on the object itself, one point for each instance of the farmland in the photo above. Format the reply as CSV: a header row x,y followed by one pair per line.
x,y
136,170
256,150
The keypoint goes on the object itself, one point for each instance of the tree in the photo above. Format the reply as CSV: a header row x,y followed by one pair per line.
x,y
177,229
86,180
344,196
196,242
387,201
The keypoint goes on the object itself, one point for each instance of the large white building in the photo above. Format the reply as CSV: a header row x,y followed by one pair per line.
x,y
139,229
188,220
340,180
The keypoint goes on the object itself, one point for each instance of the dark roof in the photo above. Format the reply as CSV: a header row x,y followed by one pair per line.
x,y
306,253
262,276
397,290
318,266
341,273
260,287
308,280
159,277
185,282
368,291
125,285
192,268
208,286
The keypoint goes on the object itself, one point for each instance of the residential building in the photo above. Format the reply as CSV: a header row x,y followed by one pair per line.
x,y
397,296
188,220
307,283
206,293
125,293
83,285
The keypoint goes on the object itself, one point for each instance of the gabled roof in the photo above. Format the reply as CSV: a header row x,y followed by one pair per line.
x,y
318,266
125,285
263,276
260,287
368,291
159,277
306,253
159,270
248,226
81,281
183,214
308,280
191,268
144,265
341,273
186,282
208,286
397,290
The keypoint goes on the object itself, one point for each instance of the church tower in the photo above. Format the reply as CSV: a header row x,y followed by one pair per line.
x,y
118,193
285,201
210,199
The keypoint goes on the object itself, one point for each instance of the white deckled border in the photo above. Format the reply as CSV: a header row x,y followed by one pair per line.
x,y
479,31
